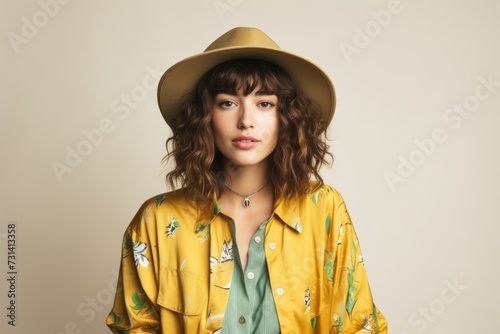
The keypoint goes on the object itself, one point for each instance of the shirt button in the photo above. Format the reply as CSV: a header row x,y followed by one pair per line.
x,y
250,275
257,239
279,291
272,246
242,320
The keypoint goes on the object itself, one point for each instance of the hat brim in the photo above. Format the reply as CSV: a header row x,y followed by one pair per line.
x,y
182,78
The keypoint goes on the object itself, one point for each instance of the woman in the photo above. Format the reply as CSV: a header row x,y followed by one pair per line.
x,y
247,243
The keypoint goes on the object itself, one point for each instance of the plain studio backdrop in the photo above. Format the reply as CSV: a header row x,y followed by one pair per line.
x,y
415,138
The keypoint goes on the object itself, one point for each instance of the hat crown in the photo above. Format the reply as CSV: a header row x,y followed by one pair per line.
x,y
181,79
242,37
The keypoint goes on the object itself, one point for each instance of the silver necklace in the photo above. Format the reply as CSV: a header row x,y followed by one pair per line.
x,y
246,198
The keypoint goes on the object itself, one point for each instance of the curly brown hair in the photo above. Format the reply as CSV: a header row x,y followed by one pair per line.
x,y
298,156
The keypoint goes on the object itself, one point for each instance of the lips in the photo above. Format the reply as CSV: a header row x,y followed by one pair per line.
x,y
245,142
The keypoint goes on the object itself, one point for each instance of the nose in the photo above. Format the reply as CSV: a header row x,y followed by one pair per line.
x,y
245,120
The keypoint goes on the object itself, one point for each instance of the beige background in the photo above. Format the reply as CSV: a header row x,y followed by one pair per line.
x,y
429,236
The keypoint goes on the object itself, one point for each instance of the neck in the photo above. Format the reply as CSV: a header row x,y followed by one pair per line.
x,y
246,181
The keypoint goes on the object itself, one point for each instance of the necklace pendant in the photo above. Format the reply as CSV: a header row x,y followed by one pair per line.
x,y
246,202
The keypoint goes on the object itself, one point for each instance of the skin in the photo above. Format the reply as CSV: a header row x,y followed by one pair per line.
x,y
246,133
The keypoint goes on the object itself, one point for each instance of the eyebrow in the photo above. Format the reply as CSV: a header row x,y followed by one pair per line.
x,y
264,92
234,93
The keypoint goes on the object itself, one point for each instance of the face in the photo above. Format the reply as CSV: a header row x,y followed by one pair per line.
x,y
245,127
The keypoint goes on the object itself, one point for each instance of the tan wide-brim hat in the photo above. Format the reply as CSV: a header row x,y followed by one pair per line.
x,y
182,78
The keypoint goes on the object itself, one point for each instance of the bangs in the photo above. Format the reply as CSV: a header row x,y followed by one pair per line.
x,y
245,75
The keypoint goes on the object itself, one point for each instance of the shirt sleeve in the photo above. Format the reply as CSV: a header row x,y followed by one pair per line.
x,y
351,307
134,309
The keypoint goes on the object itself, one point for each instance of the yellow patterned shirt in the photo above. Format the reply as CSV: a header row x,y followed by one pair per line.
x,y
177,269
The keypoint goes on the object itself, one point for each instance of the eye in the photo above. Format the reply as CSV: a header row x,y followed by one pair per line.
x,y
266,104
226,104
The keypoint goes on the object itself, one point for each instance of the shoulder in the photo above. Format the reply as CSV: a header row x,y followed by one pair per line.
x,y
162,207
326,202
170,197
173,200
325,195
321,203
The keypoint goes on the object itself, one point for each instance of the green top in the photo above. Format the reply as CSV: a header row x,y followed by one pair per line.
x,y
251,307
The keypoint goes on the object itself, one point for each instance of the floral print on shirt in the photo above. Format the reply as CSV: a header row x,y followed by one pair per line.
x,y
170,229
176,269
139,251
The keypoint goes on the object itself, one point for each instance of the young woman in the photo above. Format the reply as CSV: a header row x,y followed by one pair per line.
x,y
251,240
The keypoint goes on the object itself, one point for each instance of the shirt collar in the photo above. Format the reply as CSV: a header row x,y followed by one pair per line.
x,y
288,211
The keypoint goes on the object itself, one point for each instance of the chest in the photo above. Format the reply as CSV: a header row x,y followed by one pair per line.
x,y
244,232
197,270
